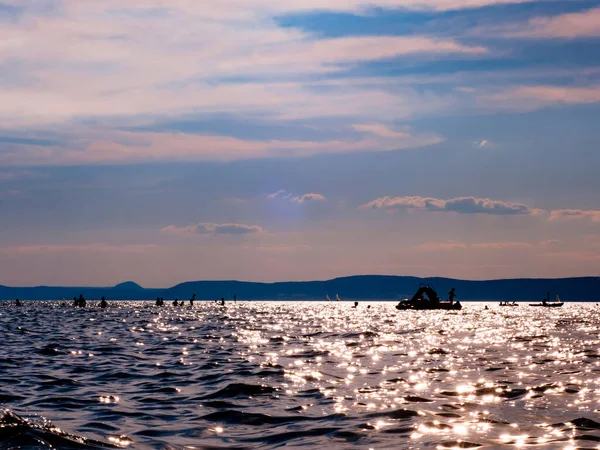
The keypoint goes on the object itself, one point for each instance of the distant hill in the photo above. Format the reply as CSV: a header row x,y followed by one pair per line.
x,y
128,285
362,287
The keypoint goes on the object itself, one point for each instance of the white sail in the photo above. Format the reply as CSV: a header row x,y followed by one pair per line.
x,y
337,297
328,299
557,299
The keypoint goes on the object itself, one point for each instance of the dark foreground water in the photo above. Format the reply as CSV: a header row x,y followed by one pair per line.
x,y
270,375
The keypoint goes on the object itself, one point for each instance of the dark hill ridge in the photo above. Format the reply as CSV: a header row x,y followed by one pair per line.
x,y
128,285
366,287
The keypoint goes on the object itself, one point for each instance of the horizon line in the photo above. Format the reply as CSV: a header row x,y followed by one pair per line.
x,y
301,281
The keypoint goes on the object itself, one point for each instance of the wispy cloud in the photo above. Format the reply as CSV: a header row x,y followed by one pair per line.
x,y
575,214
100,59
483,143
233,229
277,249
441,246
501,245
308,198
570,25
557,94
474,205
304,198
15,175
118,147
380,130
552,243
280,194
463,205
79,248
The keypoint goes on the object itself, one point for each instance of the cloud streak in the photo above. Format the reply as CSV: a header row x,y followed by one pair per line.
x,y
304,198
77,248
575,214
502,245
202,229
571,25
462,205
120,147
474,205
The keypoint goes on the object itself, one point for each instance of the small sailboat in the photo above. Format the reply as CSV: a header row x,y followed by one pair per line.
x,y
328,299
547,304
337,298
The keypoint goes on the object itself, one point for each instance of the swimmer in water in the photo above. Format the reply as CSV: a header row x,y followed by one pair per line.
x,y
80,302
355,305
175,302
18,302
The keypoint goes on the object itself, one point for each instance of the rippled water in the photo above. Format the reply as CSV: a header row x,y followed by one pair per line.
x,y
268,375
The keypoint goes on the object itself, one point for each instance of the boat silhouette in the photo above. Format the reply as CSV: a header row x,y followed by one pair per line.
x,y
426,298
547,304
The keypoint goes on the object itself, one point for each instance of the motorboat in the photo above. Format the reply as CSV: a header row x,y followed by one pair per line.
x,y
426,298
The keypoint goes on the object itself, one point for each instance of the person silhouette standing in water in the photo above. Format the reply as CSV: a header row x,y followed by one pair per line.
x,y
103,303
18,302
192,299
451,295
175,302
79,302
222,301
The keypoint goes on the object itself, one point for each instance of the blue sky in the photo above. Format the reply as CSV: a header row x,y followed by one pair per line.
x,y
261,140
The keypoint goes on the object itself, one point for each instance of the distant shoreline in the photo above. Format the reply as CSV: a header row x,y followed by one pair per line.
x,y
359,287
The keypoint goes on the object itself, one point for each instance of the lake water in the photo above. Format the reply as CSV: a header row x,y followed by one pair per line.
x,y
307,374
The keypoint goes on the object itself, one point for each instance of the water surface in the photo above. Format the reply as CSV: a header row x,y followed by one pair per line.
x,y
304,374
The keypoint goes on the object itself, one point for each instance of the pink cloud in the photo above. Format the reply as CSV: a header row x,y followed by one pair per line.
x,y
88,248
552,243
279,194
557,94
119,147
502,245
436,246
574,214
281,248
308,198
571,25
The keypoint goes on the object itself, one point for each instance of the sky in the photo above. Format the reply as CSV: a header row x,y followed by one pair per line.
x,y
166,141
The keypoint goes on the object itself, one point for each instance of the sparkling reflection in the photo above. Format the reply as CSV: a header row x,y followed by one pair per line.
x,y
268,374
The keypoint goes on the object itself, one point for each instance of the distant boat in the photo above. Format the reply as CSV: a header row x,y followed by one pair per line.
x,y
328,299
547,304
508,304
337,298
